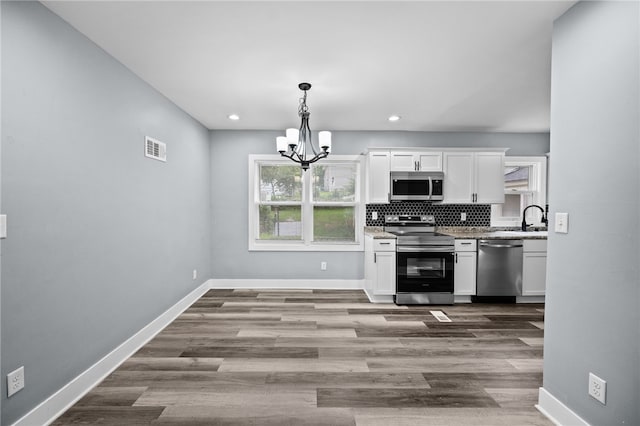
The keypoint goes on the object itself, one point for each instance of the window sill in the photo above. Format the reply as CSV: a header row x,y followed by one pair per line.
x,y
299,246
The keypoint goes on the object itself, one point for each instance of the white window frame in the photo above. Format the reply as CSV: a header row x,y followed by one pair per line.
x,y
539,169
306,244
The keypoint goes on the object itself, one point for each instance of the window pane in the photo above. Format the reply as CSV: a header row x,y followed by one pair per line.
x,y
280,223
334,224
334,182
516,178
512,206
280,183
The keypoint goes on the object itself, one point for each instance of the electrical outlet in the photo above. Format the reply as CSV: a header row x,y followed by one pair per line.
x,y
195,274
323,266
597,388
463,217
15,381
374,215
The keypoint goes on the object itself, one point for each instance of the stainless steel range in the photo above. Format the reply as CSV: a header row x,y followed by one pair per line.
x,y
424,260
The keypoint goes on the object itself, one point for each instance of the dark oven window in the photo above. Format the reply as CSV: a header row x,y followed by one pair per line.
x,y
424,272
426,268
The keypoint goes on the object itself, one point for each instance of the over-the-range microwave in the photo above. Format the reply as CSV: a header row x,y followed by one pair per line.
x,y
416,186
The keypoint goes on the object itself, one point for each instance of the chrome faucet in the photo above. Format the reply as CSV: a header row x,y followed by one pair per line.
x,y
524,217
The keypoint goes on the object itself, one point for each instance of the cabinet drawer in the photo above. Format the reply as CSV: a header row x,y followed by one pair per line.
x,y
534,245
384,245
465,245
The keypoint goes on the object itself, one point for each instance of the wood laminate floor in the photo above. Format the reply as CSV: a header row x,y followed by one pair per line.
x,y
327,357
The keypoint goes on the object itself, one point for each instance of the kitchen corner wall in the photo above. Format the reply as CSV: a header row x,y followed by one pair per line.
x,y
229,185
101,240
592,312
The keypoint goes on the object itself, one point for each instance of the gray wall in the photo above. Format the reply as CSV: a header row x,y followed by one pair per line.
x,y
101,239
593,280
229,174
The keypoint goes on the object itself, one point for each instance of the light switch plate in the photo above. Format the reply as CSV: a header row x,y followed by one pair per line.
x,y
3,226
562,223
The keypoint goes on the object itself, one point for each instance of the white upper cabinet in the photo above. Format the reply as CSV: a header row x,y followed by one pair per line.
x,y
473,177
489,177
378,177
458,177
402,161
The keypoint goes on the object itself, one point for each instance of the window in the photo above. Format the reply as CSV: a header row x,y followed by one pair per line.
x,y
525,181
316,210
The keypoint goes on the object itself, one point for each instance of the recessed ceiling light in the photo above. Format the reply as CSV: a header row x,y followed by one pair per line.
x,y
234,117
394,118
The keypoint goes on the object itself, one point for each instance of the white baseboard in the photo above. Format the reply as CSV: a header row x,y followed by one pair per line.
x,y
378,299
288,284
556,411
47,411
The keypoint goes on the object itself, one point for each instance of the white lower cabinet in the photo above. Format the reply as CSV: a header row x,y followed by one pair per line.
x,y
534,267
385,273
380,267
464,270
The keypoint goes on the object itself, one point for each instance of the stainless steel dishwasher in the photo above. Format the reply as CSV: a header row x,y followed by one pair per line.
x,y
499,268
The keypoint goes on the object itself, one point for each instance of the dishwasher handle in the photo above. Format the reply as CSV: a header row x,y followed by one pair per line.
x,y
501,244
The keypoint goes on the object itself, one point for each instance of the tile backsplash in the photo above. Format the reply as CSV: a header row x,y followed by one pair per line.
x,y
445,214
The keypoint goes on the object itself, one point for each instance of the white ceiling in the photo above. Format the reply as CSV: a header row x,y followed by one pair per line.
x,y
441,66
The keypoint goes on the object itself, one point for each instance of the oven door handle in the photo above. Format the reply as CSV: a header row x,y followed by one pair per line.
x,y
423,249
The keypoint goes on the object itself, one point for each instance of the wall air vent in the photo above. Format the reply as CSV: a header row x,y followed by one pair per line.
x,y
155,149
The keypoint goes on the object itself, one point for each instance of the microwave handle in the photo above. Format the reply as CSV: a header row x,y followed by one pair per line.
x,y
430,188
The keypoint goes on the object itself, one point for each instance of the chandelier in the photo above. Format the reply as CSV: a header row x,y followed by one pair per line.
x,y
297,143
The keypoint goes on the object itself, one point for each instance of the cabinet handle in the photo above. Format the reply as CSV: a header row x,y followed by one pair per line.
x,y
384,244
375,258
465,244
456,257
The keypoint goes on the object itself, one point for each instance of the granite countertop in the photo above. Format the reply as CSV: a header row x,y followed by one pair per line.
x,y
377,232
488,233
472,233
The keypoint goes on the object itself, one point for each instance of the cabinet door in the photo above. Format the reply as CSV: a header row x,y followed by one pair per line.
x,y
458,177
464,273
430,161
369,266
378,178
385,281
403,162
489,177
534,273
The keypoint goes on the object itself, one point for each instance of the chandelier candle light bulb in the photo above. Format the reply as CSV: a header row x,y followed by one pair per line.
x,y
294,144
